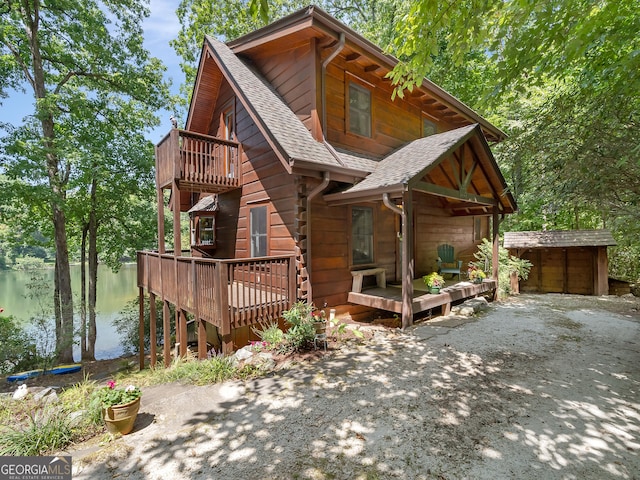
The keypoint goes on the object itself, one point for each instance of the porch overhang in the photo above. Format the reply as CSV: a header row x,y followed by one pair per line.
x,y
456,166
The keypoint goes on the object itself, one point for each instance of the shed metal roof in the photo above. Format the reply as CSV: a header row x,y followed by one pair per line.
x,y
559,238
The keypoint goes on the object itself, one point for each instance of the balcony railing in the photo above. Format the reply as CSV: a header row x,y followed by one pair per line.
x,y
226,293
199,162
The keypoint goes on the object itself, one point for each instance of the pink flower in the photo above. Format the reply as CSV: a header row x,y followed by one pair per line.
x,y
111,384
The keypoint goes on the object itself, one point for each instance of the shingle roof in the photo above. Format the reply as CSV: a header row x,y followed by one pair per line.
x,y
559,238
270,111
206,204
408,161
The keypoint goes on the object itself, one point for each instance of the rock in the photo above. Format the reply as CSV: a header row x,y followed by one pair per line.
x,y
262,360
46,395
470,307
466,311
244,353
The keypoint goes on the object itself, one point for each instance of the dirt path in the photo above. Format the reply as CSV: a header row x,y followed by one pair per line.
x,y
540,387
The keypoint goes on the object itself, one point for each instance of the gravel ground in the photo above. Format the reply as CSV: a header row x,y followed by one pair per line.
x,y
538,387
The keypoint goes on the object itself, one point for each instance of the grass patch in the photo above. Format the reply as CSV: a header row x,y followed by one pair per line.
x,y
33,428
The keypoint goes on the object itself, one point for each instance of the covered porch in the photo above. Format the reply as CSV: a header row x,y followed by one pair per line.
x,y
452,172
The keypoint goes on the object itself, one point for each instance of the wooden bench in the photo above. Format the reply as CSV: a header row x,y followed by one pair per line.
x,y
358,277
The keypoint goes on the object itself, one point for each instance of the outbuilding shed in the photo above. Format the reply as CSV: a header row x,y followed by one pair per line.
x,y
571,261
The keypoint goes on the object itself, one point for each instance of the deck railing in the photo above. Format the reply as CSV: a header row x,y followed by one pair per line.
x,y
207,163
226,293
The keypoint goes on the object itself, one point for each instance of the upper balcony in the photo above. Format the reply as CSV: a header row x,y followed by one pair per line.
x,y
198,162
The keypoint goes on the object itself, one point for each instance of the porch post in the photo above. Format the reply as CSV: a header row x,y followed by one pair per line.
x,y
407,259
496,251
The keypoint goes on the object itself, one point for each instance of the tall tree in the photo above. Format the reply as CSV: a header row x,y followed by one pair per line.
x,y
65,52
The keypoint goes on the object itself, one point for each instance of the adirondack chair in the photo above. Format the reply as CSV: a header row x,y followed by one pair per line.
x,y
447,262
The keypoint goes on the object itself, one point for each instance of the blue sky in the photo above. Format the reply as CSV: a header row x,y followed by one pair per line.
x,y
161,27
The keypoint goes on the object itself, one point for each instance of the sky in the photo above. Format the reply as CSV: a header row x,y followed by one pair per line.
x,y
159,28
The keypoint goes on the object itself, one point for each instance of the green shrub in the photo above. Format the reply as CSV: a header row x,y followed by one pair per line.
x,y
507,264
270,334
47,430
128,324
16,351
302,332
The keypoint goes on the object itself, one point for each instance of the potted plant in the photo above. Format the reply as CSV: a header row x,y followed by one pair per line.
x,y
119,407
434,282
476,275
319,322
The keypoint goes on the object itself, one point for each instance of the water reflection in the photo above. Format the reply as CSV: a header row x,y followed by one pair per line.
x,y
115,290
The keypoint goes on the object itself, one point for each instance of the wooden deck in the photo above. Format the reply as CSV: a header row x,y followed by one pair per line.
x,y
390,298
228,294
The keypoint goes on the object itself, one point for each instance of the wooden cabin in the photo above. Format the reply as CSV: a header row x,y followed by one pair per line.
x,y
321,180
568,261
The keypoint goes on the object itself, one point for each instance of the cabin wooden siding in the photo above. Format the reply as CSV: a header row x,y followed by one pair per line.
x,y
394,122
331,262
264,183
291,71
434,226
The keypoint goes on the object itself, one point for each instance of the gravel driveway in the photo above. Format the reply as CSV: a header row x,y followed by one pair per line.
x,y
538,387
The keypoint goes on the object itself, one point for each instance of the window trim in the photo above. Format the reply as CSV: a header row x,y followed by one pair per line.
x,y
266,233
362,86
372,260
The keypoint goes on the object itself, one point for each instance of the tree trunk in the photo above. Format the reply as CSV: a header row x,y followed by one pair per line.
x,y
83,292
93,271
56,302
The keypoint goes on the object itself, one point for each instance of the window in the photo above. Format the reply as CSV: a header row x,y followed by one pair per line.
x,y
362,235
428,127
228,117
477,229
258,225
207,232
359,110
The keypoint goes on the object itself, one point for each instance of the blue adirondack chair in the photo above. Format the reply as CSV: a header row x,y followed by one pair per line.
x,y
447,262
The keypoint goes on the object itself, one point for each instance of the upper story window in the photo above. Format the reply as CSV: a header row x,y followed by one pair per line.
x,y
359,110
362,235
258,226
229,132
428,127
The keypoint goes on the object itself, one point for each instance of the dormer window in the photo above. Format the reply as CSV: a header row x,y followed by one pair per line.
x,y
359,110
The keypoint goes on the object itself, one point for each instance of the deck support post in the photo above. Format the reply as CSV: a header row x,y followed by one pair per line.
x,y
495,257
153,341
166,328
407,259
141,325
181,315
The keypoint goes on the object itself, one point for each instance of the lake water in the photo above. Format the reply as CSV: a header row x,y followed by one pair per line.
x,y
115,290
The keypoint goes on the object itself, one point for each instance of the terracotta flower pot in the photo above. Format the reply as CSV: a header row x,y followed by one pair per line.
x,y
120,418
